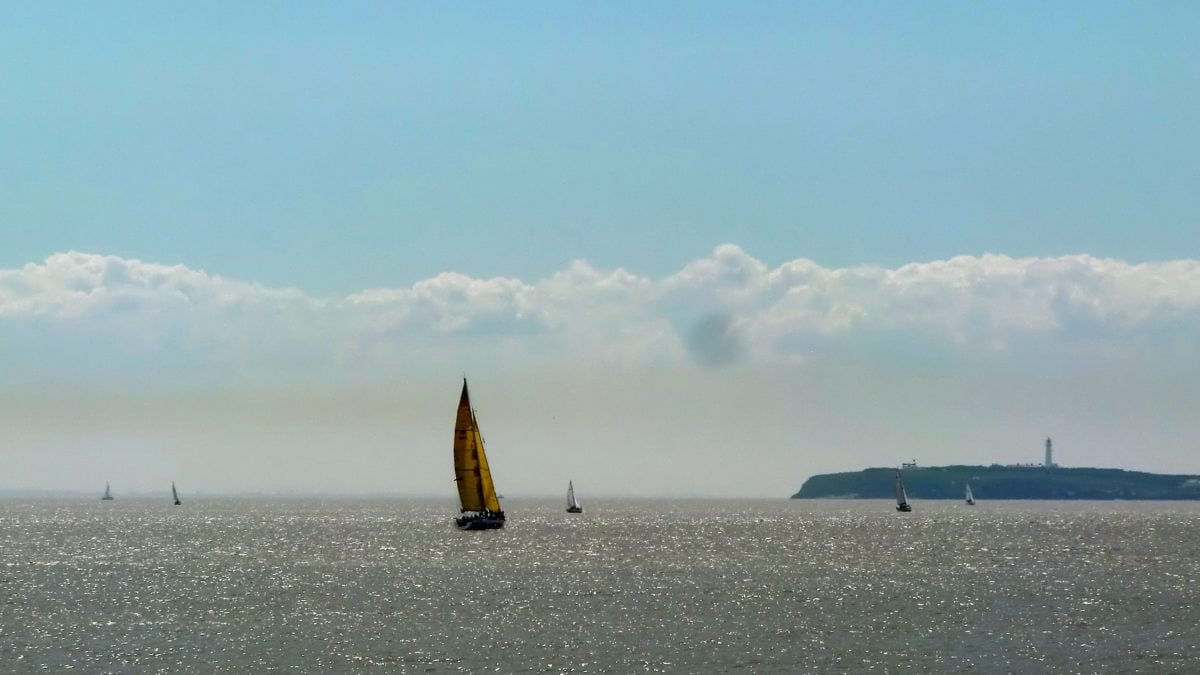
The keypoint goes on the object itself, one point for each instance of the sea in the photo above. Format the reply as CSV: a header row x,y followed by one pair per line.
x,y
388,585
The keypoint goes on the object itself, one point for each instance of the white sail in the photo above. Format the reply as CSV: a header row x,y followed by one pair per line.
x,y
901,495
572,502
970,497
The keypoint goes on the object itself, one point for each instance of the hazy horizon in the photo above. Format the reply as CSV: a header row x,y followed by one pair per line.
x,y
120,377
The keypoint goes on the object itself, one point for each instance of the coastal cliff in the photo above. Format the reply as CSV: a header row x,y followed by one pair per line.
x,y
1002,482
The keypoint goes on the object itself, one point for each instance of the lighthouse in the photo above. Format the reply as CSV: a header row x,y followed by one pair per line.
x,y
1049,454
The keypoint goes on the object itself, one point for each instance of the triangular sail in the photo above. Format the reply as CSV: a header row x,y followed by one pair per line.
x,y
571,501
970,497
490,500
174,493
901,495
476,492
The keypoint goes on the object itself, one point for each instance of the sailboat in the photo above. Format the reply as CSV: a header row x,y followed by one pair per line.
x,y
902,504
480,507
572,503
970,497
107,494
175,494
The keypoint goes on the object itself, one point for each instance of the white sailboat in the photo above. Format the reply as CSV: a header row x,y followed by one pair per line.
x,y
572,503
970,497
902,504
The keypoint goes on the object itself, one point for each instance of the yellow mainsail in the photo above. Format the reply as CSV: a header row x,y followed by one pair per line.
x,y
475,489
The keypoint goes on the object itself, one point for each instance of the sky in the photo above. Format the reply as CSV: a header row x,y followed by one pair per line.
x,y
678,248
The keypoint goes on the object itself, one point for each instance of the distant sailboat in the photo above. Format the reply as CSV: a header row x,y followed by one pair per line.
x,y
970,497
175,494
476,494
572,503
902,504
107,494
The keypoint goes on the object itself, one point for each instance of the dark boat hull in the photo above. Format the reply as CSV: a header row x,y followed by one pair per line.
x,y
480,522
575,509
903,508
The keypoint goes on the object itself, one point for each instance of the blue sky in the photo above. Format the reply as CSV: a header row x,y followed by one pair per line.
x,y
334,147
793,237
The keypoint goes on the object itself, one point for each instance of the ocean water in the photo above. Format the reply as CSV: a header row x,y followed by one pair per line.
x,y
388,585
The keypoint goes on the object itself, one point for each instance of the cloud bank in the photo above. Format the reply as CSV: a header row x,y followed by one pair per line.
x,y
151,372
725,308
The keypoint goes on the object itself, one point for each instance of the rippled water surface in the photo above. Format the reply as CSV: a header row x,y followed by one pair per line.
x,y
255,585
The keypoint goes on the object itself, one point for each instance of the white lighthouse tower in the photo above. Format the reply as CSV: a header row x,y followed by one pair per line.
x,y
1049,454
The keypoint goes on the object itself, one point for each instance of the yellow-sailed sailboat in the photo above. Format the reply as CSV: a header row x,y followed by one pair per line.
x,y
476,493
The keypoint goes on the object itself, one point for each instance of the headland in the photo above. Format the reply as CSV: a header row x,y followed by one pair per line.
x,y
1002,482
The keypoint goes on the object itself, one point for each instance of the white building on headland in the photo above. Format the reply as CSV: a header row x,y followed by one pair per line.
x,y
1048,464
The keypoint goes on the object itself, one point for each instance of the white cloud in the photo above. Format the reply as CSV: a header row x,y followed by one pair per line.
x,y
791,312
80,284
972,359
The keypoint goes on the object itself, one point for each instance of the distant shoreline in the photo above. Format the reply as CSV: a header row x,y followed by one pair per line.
x,y
1003,482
